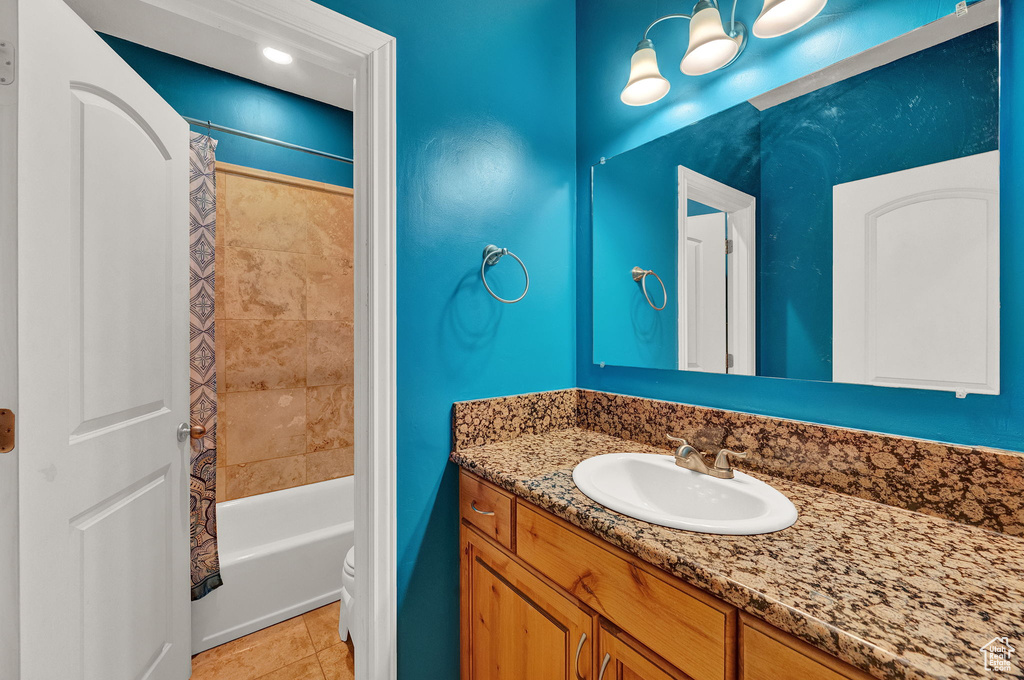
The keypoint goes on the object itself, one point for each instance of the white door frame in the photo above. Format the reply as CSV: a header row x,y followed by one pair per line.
x,y
741,284
369,56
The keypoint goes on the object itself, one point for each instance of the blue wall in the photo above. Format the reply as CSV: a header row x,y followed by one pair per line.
x,y
208,94
607,32
933,106
486,154
636,224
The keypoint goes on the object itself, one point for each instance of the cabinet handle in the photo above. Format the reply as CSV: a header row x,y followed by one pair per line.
x,y
604,666
579,648
472,504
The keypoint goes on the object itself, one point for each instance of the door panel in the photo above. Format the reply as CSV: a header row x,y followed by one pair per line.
x,y
103,350
702,283
118,358
514,625
916,277
515,637
108,581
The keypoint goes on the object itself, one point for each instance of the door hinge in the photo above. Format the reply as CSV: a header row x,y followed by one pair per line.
x,y
6,430
730,361
7,62
728,246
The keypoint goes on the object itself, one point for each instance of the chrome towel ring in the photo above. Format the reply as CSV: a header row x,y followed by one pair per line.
x,y
640,275
492,254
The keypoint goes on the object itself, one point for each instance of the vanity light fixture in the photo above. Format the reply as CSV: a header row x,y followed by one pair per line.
x,y
277,56
713,44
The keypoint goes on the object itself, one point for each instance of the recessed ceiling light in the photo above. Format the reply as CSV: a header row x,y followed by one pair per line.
x,y
277,56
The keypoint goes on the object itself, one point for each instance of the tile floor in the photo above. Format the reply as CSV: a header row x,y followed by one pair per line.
x,y
304,648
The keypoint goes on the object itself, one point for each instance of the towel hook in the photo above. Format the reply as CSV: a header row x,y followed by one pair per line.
x,y
640,275
492,254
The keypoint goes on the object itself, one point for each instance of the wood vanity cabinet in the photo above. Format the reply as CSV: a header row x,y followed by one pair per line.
x,y
514,625
544,600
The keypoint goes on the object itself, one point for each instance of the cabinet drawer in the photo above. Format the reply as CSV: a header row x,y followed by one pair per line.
x,y
486,507
691,630
767,653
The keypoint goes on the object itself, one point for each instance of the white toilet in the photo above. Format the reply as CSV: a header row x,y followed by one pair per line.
x,y
346,622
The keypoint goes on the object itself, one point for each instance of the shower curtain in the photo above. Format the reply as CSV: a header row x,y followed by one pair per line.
x,y
203,482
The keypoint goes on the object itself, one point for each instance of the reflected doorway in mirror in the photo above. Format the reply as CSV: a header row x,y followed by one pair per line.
x,y
717,284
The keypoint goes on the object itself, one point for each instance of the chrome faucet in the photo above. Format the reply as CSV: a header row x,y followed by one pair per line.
x,y
691,459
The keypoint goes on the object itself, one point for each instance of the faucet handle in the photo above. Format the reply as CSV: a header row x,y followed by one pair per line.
x,y
683,447
723,457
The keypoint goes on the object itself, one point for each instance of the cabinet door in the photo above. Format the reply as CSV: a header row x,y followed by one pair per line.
x,y
623,658
515,626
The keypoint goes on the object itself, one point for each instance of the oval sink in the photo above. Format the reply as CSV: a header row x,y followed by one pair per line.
x,y
654,489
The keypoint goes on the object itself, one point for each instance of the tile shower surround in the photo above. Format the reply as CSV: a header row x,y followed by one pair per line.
x,y
972,485
284,310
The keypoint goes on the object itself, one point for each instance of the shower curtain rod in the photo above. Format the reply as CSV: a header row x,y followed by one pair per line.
x,y
269,140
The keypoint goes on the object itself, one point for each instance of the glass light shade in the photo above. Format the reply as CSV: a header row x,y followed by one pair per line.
x,y
779,17
646,85
710,47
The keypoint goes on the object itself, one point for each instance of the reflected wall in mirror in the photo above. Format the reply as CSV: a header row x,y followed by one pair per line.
x,y
843,227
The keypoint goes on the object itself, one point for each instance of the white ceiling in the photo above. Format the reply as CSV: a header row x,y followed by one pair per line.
x,y
191,30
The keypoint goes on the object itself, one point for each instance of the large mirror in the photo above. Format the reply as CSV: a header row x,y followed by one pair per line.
x,y
843,227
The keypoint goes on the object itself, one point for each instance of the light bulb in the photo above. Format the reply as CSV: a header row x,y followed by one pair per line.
x,y
779,17
277,56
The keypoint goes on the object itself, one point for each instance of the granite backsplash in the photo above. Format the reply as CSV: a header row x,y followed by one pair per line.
x,y
972,485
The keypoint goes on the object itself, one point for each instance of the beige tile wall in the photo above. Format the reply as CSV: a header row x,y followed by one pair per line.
x,y
284,313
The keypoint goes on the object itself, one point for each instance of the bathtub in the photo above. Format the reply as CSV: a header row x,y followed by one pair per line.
x,y
281,554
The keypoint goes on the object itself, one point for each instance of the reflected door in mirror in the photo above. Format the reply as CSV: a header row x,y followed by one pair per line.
x,y
916,277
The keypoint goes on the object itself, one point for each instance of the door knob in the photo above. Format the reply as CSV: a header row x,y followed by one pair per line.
x,y
195,432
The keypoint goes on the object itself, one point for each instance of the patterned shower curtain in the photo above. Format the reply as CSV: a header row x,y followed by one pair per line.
x,y
203,487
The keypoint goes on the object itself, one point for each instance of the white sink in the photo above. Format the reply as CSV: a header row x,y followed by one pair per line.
x,y
654,489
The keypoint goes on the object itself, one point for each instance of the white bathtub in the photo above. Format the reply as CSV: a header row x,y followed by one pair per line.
x,y
281,554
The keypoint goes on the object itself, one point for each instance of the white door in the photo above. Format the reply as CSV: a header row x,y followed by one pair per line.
x,y
916,277
702,298
103,375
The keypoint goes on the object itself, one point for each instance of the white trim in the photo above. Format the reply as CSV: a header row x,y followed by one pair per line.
x,y
348,43
376,427
740,209
939,31
230,36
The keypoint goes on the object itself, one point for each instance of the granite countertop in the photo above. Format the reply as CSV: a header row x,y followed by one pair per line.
x,y
893,592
